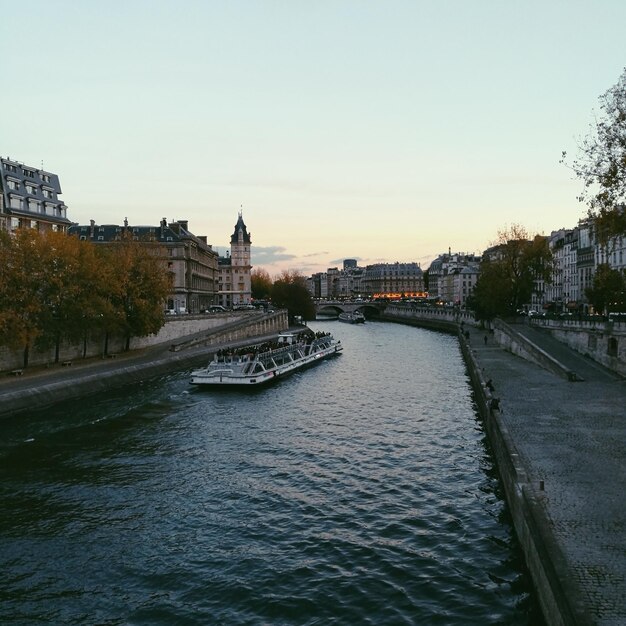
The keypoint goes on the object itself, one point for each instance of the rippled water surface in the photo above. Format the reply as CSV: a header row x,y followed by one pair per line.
x,y
357,492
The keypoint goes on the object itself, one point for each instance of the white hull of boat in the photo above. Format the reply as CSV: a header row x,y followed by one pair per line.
x,y
225,374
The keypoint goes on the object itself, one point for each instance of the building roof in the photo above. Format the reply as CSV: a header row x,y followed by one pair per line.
x,y
240,227
164,233
32,185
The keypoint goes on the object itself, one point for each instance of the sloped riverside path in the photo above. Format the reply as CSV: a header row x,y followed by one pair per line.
x,y
565,460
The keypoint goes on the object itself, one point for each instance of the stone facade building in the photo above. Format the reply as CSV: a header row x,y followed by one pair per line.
x,y
190,259
451,277
393,280
30,198
234,279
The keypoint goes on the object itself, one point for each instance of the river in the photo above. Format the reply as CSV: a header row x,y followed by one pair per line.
x,y
360,491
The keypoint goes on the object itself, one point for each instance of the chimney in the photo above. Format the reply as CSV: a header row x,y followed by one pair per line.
x,y
163,227
92,228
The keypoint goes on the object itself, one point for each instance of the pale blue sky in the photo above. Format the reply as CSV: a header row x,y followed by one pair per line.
x,y
383,131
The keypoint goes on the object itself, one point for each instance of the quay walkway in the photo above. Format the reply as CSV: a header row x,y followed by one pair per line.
x,y
569,438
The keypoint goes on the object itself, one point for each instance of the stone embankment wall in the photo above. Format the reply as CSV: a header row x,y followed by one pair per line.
x,y
603,341
436,318
173,329
257,326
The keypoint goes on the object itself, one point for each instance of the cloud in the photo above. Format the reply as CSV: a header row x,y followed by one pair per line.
x,y
269,255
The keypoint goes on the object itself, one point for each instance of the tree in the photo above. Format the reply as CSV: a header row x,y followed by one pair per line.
x,y
290,292
68,271
509,274
261,284
139,284
601,164
23,298
608,291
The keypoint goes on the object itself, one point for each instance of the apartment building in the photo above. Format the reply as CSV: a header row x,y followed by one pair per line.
x,y
30,198
190,259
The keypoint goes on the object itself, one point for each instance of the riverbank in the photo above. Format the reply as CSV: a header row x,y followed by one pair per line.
x,y
559,447
560,451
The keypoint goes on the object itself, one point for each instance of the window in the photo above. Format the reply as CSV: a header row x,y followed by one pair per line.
x,y
101,238
16,203
13,185
28,173
46,178
48,194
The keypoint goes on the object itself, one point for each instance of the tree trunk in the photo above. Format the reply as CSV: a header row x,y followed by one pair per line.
x,y
127,347
26,352
56,347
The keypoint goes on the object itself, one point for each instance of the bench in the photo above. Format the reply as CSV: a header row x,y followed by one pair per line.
x,y
66,363
112,356
16,372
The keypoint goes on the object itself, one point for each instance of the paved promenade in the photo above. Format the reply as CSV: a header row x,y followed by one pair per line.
x,y
571,438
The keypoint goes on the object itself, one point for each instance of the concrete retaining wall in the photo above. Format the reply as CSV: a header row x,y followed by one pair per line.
x,y
604,342
257,326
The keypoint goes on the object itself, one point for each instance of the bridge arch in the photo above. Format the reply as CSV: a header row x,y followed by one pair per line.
x,y
333,309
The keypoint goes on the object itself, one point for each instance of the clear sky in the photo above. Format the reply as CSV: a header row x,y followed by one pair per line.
x,y
381,131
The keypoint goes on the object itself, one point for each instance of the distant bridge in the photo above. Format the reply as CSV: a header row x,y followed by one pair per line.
x,y
331,308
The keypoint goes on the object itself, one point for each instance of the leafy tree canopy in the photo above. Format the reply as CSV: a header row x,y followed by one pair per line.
x,y
608,291
261,284
601,163
54,286
290,292
509,273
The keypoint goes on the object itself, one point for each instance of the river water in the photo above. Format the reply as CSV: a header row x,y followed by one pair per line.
x,y
360,491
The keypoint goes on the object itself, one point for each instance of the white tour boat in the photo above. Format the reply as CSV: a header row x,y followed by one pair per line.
x,y
258,365
352,318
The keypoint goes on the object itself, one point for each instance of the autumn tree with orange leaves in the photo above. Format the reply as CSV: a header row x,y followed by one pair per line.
x,y
54,287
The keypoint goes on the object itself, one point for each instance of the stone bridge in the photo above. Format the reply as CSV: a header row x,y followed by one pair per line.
x,y
332,308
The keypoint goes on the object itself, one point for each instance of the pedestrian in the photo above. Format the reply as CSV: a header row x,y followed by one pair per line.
x,y
485,339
